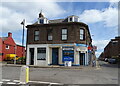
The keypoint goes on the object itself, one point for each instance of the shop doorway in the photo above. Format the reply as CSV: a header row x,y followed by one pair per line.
x,y
31,56
55,56
82,58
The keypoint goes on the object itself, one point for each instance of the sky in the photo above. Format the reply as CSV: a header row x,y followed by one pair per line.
x,y
101,17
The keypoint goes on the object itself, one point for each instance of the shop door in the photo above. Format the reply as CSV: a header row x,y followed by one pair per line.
x,y
82,58
31,56
54,56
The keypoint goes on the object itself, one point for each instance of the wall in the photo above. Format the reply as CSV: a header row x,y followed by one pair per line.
x,y
19,51
73,33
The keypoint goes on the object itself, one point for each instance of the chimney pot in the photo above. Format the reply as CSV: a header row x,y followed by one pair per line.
x,y
9,34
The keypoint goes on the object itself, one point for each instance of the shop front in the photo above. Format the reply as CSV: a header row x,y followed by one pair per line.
x,y
68,55
83,55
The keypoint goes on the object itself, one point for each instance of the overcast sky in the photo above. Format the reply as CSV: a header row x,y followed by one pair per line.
x,y
101,17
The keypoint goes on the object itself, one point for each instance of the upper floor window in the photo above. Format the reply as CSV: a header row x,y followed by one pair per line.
x,y
49,32
71,19
41,21
36,35
76,19
7,47
64,34
82,36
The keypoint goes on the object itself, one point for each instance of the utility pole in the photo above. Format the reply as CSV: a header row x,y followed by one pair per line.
x,y
23,23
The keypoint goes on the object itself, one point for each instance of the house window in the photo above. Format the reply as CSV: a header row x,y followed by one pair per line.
x,y
64,34
76,19
41,53
7,47
41,21
71,19
36,35
49,32
82,37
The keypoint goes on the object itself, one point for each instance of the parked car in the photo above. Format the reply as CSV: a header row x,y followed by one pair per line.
x,y
112,61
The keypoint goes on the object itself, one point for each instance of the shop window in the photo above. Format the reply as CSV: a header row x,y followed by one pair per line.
x,y
7,47
82,36
49,32
68,54
41,53
36,35
64,34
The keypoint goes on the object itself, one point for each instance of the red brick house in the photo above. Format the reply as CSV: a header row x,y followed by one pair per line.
x,y
8,48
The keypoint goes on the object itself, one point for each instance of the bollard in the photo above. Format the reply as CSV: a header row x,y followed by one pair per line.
x,y
24,75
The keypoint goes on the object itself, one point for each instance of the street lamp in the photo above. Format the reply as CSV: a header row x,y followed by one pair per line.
x,y
23,23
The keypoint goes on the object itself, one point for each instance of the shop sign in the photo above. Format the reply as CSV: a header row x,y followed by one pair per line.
x,y
81,49
82,45
68,59
68,49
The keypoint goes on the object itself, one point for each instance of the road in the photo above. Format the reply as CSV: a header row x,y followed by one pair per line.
x,y
106,74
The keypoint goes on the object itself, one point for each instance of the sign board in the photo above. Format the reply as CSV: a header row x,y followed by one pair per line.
x,y
68,53
94,48
68,59
82,45
68,49
81,49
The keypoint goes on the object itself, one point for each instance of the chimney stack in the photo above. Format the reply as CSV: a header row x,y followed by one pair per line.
x,y
9,34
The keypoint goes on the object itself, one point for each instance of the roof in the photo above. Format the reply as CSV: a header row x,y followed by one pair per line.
x,y
56,21
73,16
20,45
4,38
52,21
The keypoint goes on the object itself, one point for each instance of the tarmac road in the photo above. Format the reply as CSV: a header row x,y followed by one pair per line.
x,y
106,74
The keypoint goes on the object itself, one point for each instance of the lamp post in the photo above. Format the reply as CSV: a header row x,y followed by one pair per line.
x,y
23,23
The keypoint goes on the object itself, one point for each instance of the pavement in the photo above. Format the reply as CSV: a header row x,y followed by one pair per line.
x,y
104,73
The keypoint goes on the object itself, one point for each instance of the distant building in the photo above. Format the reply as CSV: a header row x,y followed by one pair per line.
x,y
9,49
52,42
112,49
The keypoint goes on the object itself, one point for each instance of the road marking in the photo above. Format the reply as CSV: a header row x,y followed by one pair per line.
x,y
10,83
5,80
56,84
16,80
1,82
41,82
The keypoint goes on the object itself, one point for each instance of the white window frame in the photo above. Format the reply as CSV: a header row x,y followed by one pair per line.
x,y
82,34
64,34
42,54
7,47
36,35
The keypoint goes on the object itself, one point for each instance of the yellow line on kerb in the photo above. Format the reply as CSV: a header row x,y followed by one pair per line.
x,y
27,74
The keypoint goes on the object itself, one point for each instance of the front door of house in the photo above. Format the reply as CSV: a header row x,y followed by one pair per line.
x,y
82,58
31,56
54,56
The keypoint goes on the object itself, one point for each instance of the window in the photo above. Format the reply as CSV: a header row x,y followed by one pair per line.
x,y
41,21
7,47
71,19
64,34
41,53
49,32
36,35
82,34
76,19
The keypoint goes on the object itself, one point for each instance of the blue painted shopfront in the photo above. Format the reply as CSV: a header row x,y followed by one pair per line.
x,y
68,54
